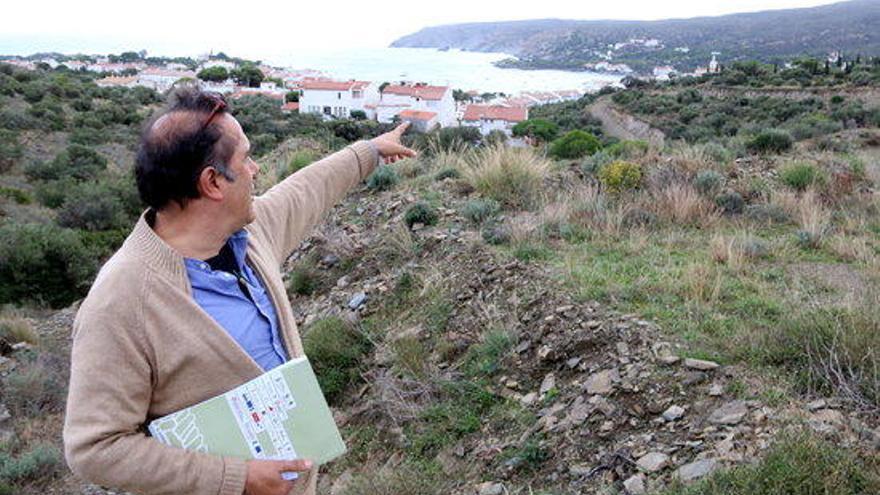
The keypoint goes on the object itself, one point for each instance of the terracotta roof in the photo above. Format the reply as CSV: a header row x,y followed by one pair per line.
x,y
334,85
290,106
495,112
424,92
417,115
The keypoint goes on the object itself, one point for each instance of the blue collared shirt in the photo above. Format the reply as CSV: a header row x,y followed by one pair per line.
x,y
251,323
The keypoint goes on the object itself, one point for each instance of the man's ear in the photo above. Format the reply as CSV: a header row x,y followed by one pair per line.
x,y
209,184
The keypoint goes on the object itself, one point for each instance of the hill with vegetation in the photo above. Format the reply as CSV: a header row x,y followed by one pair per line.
x,y
591,314
775,36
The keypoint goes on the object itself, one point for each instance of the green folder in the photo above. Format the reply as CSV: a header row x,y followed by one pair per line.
x,y
281,414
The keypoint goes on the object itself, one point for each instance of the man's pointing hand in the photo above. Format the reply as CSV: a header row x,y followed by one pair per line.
x,y
389,147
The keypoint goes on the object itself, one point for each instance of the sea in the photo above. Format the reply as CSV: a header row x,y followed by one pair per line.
x,y
459,69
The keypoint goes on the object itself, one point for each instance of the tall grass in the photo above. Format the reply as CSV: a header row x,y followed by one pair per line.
x,y
511,176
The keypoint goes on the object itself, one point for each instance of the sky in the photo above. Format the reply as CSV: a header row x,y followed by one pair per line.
x,y
259,28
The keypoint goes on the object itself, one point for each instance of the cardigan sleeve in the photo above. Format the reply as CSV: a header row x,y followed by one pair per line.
x,y
288,211
108,400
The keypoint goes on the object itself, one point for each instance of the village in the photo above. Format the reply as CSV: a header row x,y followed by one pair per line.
x,y
423,105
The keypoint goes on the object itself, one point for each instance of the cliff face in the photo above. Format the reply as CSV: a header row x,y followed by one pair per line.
x,y
685,43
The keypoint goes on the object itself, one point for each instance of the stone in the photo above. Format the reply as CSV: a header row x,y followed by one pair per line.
x,y
357,300
716,390
669,359
635,485
343,282
602,383
593,324
490,488
653,462
699,364
579,412
696,470
4,414
673,413
579,470
548,383
571,363
330,260
816,405
529,399
730,413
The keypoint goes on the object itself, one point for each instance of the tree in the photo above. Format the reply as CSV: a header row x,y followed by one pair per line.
x,y
575,144
213,74
460,95
247,75
291,97
540,129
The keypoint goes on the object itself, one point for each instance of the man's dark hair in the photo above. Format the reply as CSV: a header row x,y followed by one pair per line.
x,y
177,144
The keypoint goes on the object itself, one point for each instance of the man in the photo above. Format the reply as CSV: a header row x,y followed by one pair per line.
x,y
193,303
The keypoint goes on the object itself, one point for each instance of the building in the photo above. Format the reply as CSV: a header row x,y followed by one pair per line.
x,y
162,80
420,120
396,98
337,99
490,118
117,81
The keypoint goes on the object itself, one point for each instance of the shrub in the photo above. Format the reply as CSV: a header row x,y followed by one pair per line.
x,y
14,329
621,176
575,144
77,162
92,206
626,150
43,263
770,141
485,358
299,160
447,173
17,195
10,150
37,465
709,182
335,351
800,464
593,164
304,281
495,137
510,176
730,202
478,211
37,386
542,130
383,178
496,234
799,176
422,213
767,213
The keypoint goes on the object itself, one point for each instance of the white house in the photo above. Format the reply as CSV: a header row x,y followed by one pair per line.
x,y
422,97
420,120
161,80
337,98
490,118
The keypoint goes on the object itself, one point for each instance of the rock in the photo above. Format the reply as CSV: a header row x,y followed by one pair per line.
x,y
669,359
716,390
490,488
673,413
548,383
357,300
699,364
695,470
622,348
816,405
826,421
593,324
653,462
635,485
330,261
602,383
579,470
729,414
343,282
529,399
579,412
571,363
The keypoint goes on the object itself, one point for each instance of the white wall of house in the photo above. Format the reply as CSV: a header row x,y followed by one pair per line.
x,y
444,108
337,103
488,125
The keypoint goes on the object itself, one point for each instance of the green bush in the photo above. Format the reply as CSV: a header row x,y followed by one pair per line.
x,y
539,129
799,176
43,263
620,176
422,213
38,465
304,281
383,178
575,144
447,173
770,141
37,386
15,194
496,234
592,165
93,206
77,162
709,182
10,150
628,149
798,465
335,351
730,202
511,176
299,160
478,211
52,194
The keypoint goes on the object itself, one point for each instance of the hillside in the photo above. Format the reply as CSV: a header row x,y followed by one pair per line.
x,y
691,315
771,36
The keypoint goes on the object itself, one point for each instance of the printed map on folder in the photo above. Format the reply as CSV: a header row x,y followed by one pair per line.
x,y
281,414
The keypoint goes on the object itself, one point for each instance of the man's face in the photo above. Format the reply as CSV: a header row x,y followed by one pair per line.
x,y
238,196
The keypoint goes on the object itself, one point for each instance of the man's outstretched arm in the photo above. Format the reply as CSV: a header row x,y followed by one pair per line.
x,y
289,210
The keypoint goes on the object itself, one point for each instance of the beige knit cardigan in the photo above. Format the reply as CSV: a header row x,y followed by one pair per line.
x,y
142,347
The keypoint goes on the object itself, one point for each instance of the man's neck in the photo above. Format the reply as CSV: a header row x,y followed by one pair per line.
x,y
190,233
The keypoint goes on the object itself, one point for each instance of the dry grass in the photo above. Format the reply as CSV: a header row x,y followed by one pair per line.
x,y
701,283
681,204
726,250
511,176
813,218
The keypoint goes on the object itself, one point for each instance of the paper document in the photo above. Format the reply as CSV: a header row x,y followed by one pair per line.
x,y
281,414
